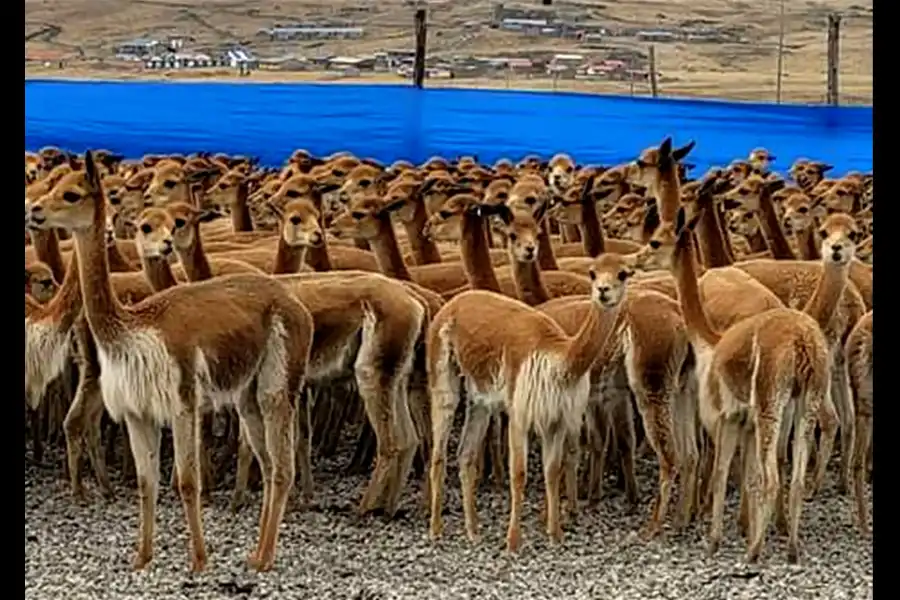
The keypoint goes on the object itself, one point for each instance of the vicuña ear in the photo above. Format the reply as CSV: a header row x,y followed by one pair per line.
x,y
207,215
90,168
541,211
665,148
587,188
680,153
392,206
731,203
500,210
773,185
824,167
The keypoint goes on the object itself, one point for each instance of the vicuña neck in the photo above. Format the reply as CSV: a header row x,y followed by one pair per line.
x,y
288,258
668,195
46,247
476,255
193,259
591,232
686,273
711,240
807,243
102,309
771,225
117,262
387,252
158,272
546,257
824,301
240,213
529,283
590,340
67,301
424,249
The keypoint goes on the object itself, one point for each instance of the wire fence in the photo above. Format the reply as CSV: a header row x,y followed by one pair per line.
x,y
728,49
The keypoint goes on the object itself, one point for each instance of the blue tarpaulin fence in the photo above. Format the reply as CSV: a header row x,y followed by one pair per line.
x,y
390,122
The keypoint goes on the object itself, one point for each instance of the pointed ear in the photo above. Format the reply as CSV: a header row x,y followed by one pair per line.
x,y
708,187
199,176
392,207
824,167
205,216
680,221
731,203
665,148
680,153
426,185
651,219
90,168
500,210
586,190
773,185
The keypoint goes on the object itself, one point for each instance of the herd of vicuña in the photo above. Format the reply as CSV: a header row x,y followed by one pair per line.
x,y
723,323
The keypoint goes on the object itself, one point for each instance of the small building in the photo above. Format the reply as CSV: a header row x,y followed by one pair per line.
x,y
140,47
656,35
182,60
312,32
239,58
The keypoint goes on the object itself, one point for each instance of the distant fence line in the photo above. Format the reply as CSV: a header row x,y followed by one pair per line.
x,y
388,122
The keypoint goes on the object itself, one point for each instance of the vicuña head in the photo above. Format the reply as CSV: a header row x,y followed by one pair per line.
x,y
521,227
839,234
800,212
69,205
609,278
184,219
299,223
154,233
561,172
655,163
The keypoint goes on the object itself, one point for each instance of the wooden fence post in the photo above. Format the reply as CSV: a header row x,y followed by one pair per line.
x,y
421,36
834,57
780,62
653,88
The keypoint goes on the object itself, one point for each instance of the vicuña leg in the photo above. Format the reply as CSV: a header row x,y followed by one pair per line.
x,y
518,471
186,438
144,436
474,432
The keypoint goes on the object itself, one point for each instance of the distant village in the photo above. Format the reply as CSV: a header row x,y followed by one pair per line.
x,y
603,50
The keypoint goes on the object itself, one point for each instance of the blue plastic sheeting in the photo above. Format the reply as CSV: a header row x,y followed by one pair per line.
x,y
389,122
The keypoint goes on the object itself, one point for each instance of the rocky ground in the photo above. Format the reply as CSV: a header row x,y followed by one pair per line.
x,y
80,552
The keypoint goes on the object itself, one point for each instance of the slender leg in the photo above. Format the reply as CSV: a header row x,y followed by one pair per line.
x,y
475,429
187,437
553,450
518,471
144,436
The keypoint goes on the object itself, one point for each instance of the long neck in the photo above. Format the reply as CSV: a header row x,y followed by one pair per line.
x,y
711,241
695,317
588,343
591,232
158,273
726,237
117,262
778,242
67,300
103,311
46,246
240,214
288,258
476,255
424,249
529,283
387,252
824,301
807,244
546,257
668,196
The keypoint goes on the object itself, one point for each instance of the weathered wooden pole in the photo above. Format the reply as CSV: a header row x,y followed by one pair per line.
x,y
421,36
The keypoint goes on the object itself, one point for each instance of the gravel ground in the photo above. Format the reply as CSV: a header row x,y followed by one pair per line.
x,y
79,552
